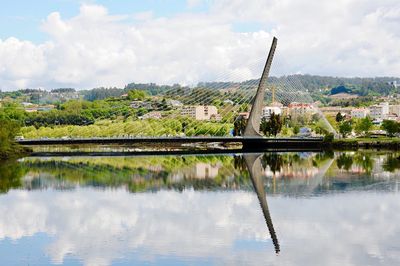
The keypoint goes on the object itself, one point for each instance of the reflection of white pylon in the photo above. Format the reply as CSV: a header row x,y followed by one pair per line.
x,y
253,163
253,124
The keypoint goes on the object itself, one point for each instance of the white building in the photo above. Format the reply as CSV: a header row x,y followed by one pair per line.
x,y
152,115
394,109
392,117
201,112
359,113
268,110
380,111
141,104
174,103
299,109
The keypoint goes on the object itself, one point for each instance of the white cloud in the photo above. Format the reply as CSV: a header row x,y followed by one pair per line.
x,y
100,227
94,48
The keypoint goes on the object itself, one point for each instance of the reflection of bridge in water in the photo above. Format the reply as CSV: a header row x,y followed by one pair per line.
x,y
254,166
250,142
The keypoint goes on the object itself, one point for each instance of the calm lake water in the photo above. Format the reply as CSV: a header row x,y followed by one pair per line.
x,y
256,209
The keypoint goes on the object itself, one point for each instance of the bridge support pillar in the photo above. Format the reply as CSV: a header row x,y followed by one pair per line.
x,y
253,124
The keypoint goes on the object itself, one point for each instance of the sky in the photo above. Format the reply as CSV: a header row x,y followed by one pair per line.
x,y
106,43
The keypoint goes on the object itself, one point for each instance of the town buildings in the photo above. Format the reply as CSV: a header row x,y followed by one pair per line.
x,y
268,110
201,112
359,113
379,111
151,115
300,109
394,109
141,104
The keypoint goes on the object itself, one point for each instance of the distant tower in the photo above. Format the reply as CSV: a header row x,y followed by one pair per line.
x,y
253,124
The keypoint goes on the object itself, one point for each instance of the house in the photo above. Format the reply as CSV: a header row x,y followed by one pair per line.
x,y
268,110
380,111
201,112
245,115
151,115
393,117
141,104
336,109
359,113
394,109
229,102
298,109
174,103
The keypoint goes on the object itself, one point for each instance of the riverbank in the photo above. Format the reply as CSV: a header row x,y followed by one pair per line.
x,y
14,151
366,143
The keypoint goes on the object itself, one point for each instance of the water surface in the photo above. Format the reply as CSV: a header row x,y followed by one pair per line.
x,y
255,209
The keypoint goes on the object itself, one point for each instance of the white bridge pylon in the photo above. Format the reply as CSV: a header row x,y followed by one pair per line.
x,y
253,124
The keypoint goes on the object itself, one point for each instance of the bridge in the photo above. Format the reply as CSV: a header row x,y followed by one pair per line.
x,y
251,136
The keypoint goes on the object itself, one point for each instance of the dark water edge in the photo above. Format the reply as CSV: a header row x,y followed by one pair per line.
x,y
372,144
14,152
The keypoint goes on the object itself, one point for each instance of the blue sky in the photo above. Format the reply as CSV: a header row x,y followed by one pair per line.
x,y
22,18
82,44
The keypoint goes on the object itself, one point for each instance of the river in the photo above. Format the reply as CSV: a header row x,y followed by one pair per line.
x,y
289,208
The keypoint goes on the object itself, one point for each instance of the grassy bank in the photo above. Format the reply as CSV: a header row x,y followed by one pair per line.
x,y
366,143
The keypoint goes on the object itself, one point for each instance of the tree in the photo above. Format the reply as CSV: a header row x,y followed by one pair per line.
x,y
296,130
276,124
239,126
8,131
364,125
137,95
264,126
345,128
271,127
321,128
339,117
391,127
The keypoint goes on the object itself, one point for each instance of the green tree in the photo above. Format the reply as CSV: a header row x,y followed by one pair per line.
x,y
239,125
264,126
321,128
273,126
296,130
345,128
137,95
276,124
364,125
391,127
339,117
8,131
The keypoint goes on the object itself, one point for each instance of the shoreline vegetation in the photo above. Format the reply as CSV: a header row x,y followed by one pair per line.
x,y
8,148
385,143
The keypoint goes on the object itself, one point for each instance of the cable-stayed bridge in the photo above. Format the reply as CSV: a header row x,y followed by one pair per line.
x,y
251,93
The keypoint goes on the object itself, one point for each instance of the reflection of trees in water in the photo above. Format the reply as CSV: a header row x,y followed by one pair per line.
x,y
11,173
239,163
344,161
289,171
137,174
391,163
365,161
275,161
